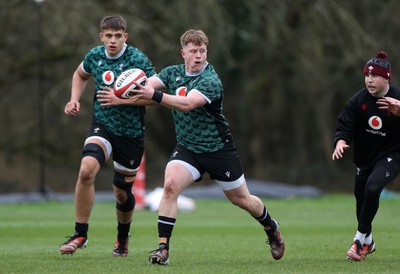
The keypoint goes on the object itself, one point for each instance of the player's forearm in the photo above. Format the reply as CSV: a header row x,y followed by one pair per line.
x,y
78,86
138,102
181,103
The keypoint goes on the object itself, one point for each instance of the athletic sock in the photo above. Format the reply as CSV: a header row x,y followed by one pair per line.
x,y
81,229
368,239
266,221
360,236
123,231
165,227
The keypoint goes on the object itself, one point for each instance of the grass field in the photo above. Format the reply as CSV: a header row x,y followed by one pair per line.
x,y
216,238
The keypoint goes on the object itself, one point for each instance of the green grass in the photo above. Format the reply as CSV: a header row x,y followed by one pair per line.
x,y
216,238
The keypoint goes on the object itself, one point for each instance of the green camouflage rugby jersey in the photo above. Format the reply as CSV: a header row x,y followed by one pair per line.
x,y
204,129
122,120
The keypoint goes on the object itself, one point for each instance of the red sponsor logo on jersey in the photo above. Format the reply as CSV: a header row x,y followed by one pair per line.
x,y
364,106
375,122
108,77
181,91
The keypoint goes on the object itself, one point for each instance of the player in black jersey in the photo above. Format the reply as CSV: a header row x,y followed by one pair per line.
x,y
204,142
369,122
116,130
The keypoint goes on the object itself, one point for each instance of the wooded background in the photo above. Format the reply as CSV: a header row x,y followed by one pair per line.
x,y
288,67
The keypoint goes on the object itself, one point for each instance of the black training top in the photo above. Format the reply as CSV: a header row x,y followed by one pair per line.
x,y
375,132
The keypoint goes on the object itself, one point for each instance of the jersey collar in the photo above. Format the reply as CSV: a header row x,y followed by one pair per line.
x,y
118,55
197,73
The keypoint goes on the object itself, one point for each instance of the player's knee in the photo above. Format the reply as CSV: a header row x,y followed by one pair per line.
x,y
128,205
123,193
373,190
87,172
170,190
95,151
241,202
237,202
86,175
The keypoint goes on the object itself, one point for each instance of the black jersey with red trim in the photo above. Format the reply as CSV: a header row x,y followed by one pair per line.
x,y
373,131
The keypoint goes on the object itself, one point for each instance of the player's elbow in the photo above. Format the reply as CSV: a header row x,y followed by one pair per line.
x,y
185,106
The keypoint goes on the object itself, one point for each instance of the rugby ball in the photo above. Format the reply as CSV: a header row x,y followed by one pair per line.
x,y
124,86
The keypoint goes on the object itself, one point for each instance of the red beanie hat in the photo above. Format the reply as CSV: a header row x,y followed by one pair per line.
x,y
379,65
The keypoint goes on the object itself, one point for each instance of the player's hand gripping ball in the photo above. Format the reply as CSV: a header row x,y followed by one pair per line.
x,y
124,87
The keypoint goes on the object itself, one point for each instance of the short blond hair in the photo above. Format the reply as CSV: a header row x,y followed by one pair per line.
x,y
197,37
